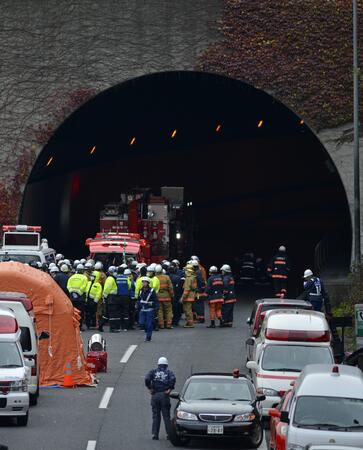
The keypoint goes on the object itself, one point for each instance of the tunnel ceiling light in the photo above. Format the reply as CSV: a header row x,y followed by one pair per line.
x,y
132,141
302,121
173,134
260,124
218,128
93,149
50,160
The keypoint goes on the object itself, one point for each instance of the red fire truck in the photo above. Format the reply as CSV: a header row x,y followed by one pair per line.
x,y
142,226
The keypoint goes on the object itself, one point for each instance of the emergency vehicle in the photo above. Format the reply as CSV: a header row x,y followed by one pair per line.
x,y
114,249
22,243
154,221
289,340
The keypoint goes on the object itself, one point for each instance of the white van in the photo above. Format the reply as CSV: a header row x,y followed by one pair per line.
x,y
289,340
19,303
14,371
326,407
22,243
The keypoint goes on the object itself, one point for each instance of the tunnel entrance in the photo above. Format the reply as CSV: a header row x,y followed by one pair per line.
x,y
255,173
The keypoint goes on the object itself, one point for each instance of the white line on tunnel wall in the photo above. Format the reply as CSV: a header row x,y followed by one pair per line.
x,y
128,353
91,445
106,398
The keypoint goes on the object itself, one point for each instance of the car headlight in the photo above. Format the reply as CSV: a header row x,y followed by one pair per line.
x,y
248,417
19,385
267,391
186,415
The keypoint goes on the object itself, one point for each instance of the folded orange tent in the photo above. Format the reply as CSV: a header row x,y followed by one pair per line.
x,y
54,313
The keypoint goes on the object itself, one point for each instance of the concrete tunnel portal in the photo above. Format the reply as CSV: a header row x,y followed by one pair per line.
x,y
256,174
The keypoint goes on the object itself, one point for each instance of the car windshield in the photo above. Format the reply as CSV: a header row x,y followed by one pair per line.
x,y
329,413
293,358
218,389
17,257
113,259
9,355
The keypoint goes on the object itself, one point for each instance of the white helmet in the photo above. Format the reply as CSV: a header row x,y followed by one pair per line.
x,y
195,263
308,273
158,268
167,263
98,265
88,265
60,262
67,261
59,256
54,269
123,266
80,267
64,268
163,361
82,261
127,272
213,269
176,262
226,268
76,262
194,258
111,269
282,248
92,261
146,279
52,265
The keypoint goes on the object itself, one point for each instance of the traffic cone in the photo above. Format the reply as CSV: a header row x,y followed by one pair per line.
x,y
68,381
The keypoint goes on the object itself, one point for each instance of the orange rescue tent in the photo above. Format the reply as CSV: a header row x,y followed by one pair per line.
x,y
54,312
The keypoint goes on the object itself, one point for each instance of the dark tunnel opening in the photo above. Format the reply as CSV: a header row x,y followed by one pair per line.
x,y
256,174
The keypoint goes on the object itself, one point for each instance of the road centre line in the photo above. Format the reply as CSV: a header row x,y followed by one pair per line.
x,y
91,445
128,354
106,398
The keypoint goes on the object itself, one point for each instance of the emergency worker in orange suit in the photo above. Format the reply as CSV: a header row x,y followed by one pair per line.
x,y
214,291
189,294
279,269
165,294
229,295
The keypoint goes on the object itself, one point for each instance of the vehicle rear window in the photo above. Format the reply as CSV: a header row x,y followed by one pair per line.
x,y
25,339
9,355
26,259
218,389
283,306
293,358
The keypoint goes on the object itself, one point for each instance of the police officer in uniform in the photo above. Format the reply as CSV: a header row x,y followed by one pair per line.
x,y
314,292
160,382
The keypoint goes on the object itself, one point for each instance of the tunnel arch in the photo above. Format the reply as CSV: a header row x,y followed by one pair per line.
x,y
257,174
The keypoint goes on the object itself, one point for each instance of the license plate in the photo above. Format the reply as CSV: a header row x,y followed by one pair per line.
x,y
215,429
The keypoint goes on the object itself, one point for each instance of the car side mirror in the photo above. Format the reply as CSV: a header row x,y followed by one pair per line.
x,y
249,321
252,365
44,335
274,412
175,395
250,341
260,398
284,417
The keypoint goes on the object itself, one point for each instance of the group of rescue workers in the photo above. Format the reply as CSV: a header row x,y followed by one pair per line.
x,y
153,296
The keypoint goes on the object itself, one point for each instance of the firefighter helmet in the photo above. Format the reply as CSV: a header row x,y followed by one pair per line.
x,y
213,269
59,256
98,265
308,273
127,272
282,248
158,268
146,279
54,269
64,268
80,267
226,268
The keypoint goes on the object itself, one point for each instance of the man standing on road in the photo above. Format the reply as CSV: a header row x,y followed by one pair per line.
x,y
147,304
279,269
160,382
189,294
315,293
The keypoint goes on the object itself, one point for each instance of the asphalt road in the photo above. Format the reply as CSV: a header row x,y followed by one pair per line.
x,y
73,420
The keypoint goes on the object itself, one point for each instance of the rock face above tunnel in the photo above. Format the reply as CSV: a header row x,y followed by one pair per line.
x,y
57,54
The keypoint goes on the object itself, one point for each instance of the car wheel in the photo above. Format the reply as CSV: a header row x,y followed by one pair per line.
x,y
176,440
256,437
22,421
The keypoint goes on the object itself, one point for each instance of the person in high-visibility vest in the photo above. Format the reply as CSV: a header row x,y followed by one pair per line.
x,y
93,297
165,294
119,309
77,286
109,290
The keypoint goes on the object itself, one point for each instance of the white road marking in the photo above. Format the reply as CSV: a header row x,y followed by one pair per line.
x,y
263,446
91,445
128,353
106,398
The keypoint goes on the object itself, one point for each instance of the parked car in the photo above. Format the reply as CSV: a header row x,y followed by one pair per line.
x,y
278,429
23,310
217,405
14,371
326,407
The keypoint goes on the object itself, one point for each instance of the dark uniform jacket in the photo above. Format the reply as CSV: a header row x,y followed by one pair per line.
x,y
215,289
160,379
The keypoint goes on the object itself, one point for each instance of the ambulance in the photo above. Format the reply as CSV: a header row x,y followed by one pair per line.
x,y
22,243
289,340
